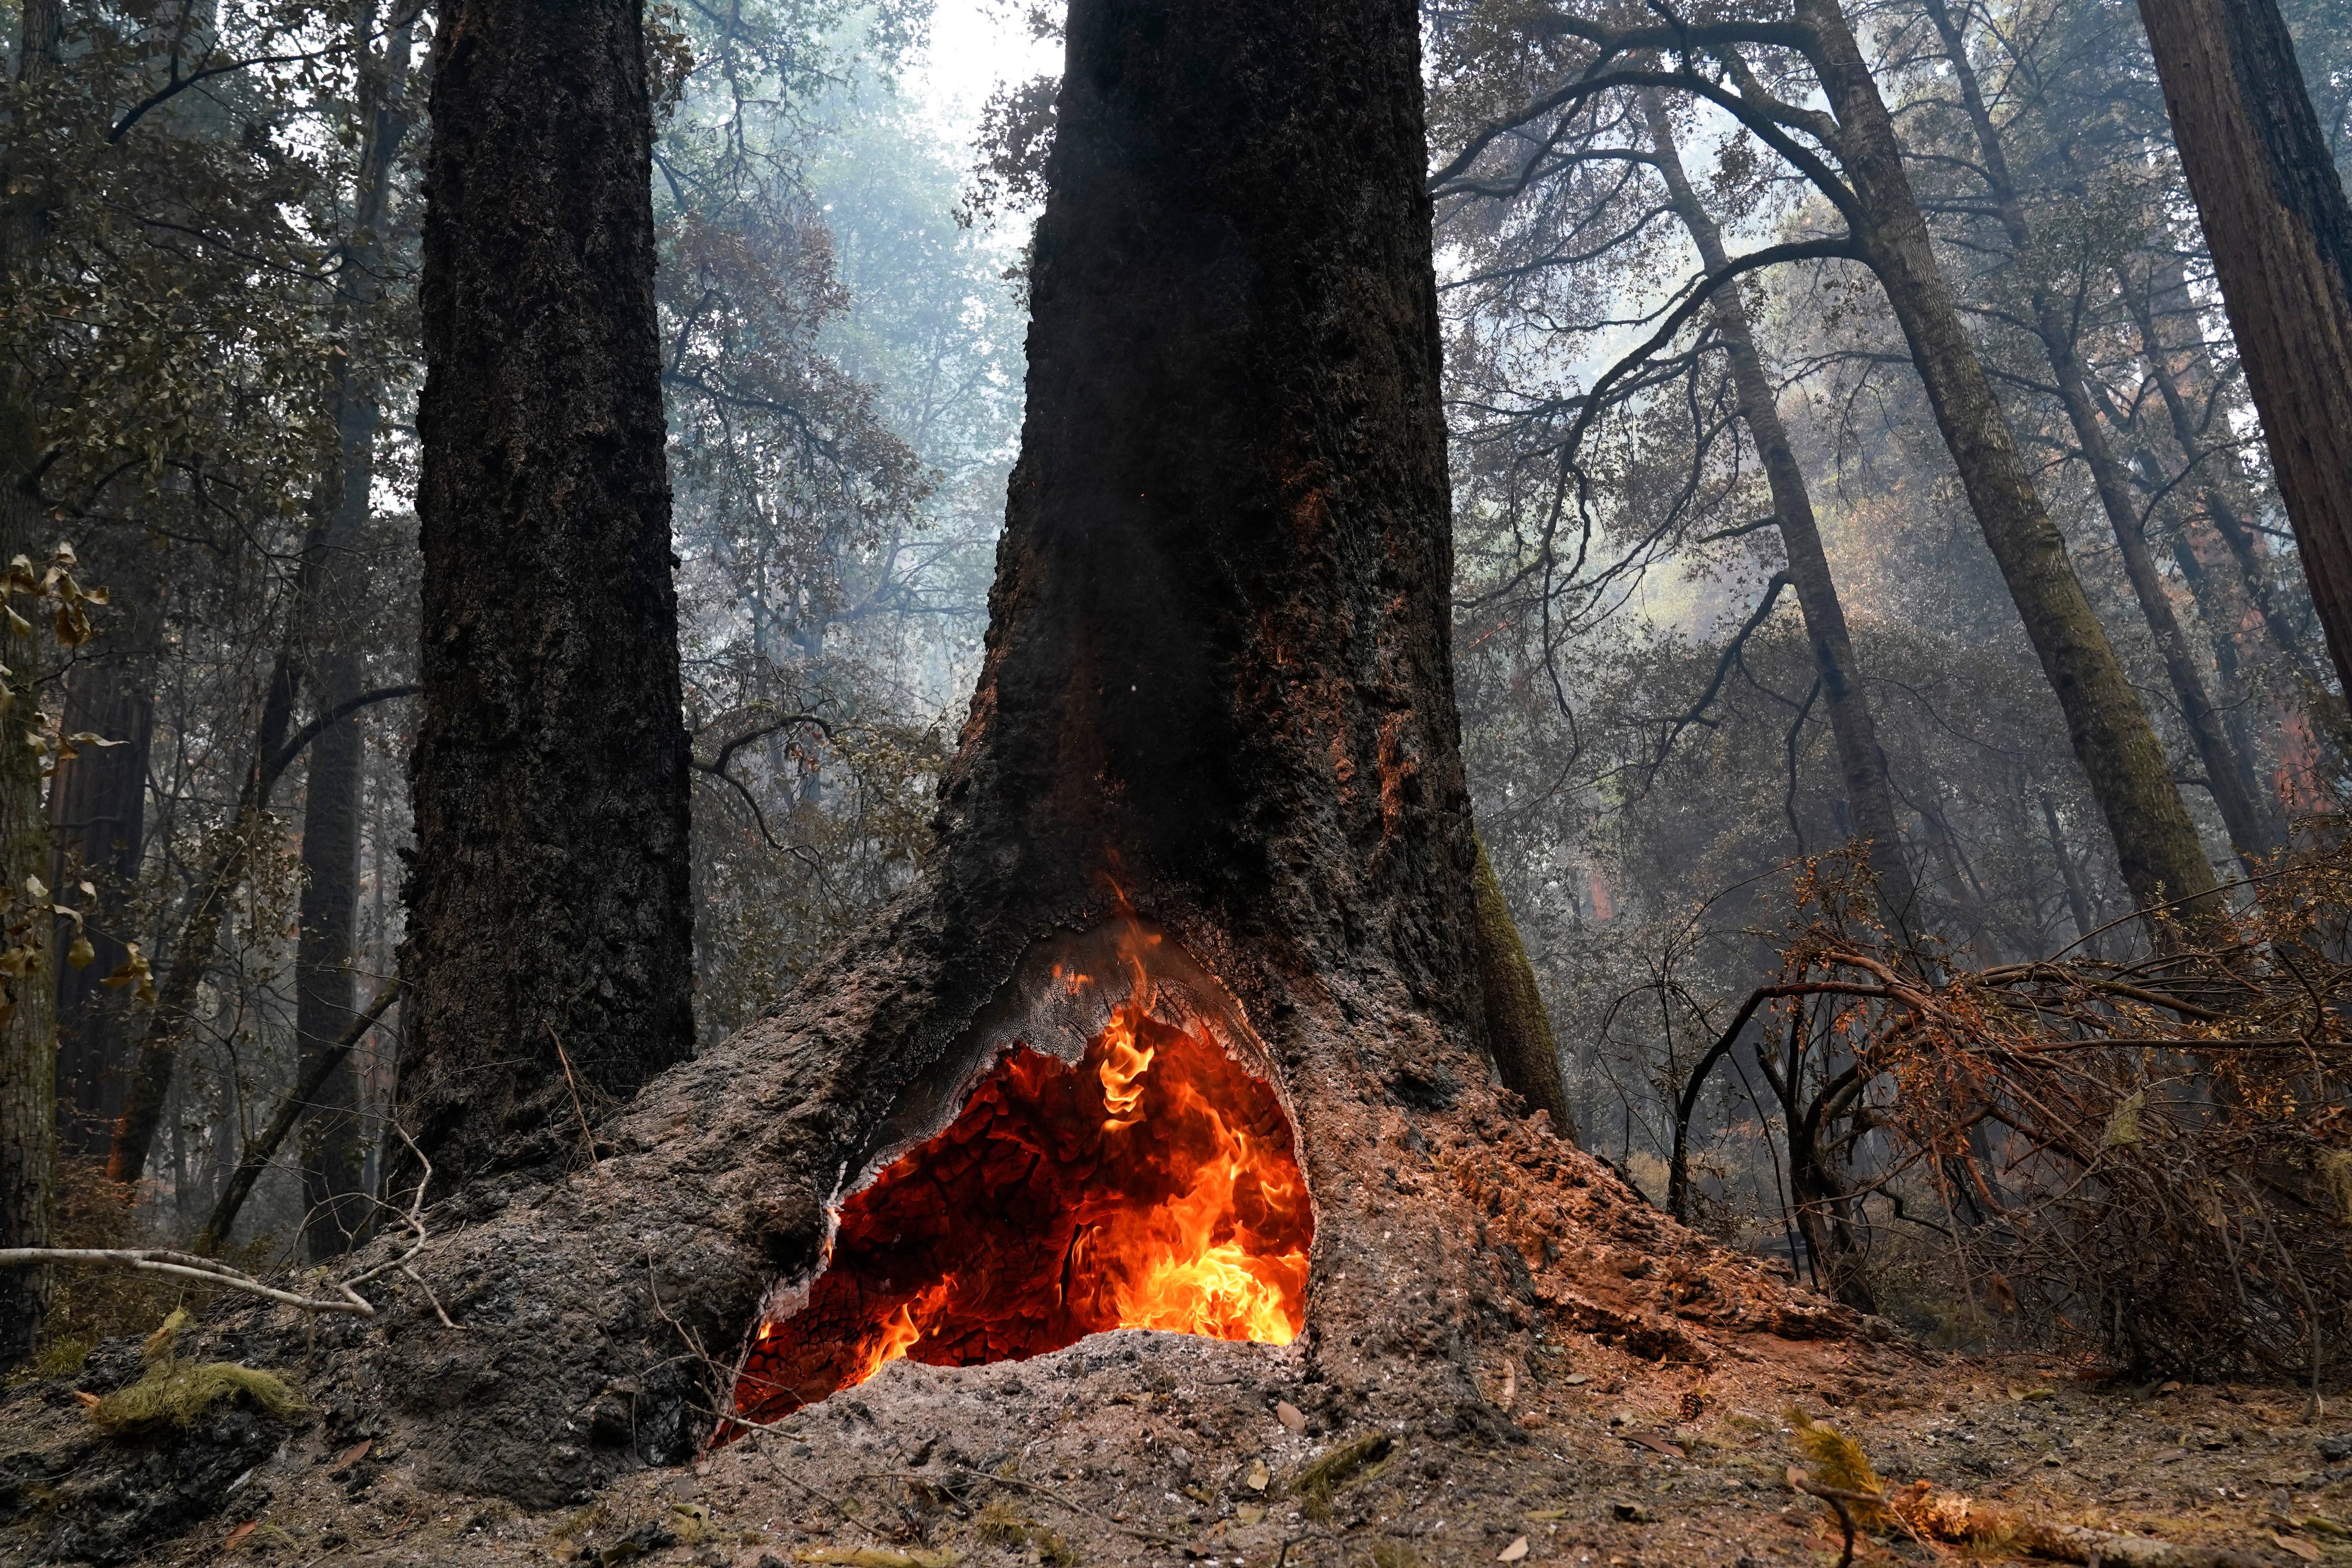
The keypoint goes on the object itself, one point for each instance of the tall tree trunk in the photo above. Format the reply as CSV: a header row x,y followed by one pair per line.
x,y
2222,491
550,922
334,1204
1217,689
2280,231
148,1089
332,1156
29,1038
98,816
2155,843
2253,832
1861,764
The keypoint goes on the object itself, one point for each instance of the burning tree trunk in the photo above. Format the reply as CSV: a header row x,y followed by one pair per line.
x,y
1206,841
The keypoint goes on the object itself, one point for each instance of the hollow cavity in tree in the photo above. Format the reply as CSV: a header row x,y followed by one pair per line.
x,y
1112,1165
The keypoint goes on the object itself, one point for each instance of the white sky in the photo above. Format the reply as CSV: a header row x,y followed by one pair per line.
x,y
976,45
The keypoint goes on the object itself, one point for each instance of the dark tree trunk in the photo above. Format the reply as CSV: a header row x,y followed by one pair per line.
x,y
29,1095
1217,689
549,930
2156,842
1862,762
29,1040
2280,232
2253,832
98,813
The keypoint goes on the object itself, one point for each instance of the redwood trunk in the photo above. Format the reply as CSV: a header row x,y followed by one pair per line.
x,y
548,946
1217,687
2280,231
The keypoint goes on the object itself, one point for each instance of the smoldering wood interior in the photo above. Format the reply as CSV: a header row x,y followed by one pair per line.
x,y
1103,1151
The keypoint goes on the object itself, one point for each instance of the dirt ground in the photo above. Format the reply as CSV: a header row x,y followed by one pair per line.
x,y
1609,1389
1135,1448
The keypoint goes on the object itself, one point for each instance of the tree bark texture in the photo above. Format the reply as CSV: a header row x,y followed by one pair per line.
x,y
98,816
2253,832
1862,762
2280,231
1217,689
550,928
2156,842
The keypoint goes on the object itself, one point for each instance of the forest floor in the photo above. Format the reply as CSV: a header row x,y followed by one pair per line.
x,y
1610,1390
1135,1448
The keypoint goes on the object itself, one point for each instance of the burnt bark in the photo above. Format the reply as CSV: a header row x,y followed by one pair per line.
x,y
1862,762
1217,689
548,929
2155,843
2278,228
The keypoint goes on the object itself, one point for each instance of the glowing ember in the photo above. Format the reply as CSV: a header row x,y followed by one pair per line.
x,y
1154,1186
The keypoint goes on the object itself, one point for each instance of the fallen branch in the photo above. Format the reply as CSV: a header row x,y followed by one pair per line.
x,y
183,1266
211,1271
258,1152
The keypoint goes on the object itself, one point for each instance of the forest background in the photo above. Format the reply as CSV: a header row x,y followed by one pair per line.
x,y
1664,516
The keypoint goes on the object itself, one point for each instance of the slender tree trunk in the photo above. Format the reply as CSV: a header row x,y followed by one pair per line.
x,y
1861,764
550,920
335,1207
28,1094
2253,831
2155,840
2223,495
2280,231
98,813
149,1086
29,1040
2078,898
332,1155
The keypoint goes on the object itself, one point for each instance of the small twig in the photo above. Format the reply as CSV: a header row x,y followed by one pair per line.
x,y
1837,1498
573,1084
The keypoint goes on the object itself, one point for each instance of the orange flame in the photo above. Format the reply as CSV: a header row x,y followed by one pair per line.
x,y
1154,1187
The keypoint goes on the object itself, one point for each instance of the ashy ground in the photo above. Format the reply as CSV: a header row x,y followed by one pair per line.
x,y
1615,1391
